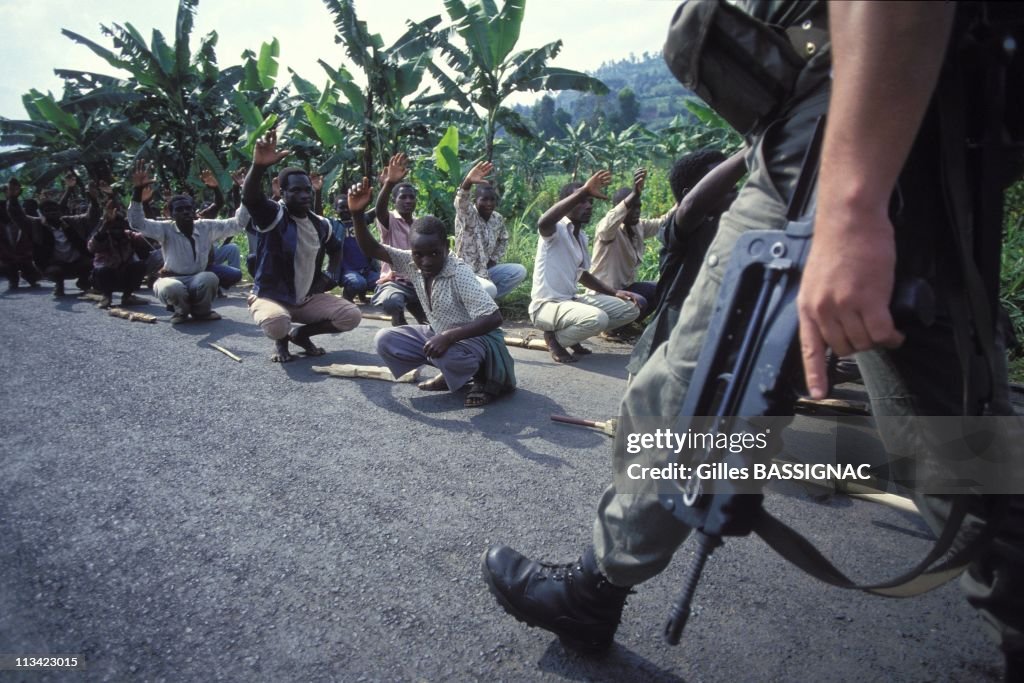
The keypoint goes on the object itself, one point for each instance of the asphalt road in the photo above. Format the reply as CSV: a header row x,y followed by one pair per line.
x,y
170,514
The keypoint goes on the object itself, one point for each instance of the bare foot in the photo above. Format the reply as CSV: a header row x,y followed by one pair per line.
x,y
306,344
580,350
558,352
434,384
281,352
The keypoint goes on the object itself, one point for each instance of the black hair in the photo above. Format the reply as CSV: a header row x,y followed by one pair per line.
x,y
429,225
398,188
285,174
180,198
690,168
485,187
620,195
568,189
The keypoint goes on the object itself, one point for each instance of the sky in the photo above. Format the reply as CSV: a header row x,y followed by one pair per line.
x,y
593,31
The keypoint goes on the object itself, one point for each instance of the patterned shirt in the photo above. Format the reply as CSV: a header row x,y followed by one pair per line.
x,y
456,297
478,241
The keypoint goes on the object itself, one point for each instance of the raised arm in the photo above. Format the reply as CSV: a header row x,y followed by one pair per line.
x,y
136,214
70,183
14,210
264,155
708,192
393,173
210,180
886,61
317,181
476,176
358,200
592,188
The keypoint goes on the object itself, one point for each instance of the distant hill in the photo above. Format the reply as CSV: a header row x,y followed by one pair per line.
x,y
658,95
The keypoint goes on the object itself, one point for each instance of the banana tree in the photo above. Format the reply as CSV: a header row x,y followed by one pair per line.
x,y
392,75
87,131
185,102
486,72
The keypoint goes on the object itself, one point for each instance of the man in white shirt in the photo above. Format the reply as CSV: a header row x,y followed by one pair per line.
x,y
184,283
563,261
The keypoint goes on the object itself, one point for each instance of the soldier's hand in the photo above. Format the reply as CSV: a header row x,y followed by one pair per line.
x,y
845,289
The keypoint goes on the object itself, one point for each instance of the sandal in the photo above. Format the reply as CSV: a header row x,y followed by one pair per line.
x,y
477,397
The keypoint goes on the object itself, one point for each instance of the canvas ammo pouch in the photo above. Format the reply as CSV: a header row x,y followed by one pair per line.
x,y
741,67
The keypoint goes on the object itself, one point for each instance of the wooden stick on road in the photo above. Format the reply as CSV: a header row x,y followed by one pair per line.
x,y
132,315
225,352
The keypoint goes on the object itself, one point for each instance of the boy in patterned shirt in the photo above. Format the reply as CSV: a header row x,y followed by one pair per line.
x,y
462,339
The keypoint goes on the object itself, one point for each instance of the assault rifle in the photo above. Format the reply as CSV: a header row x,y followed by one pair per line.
x,y
746,370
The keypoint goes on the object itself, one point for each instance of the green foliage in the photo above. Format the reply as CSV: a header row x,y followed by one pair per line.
x,y
1012,285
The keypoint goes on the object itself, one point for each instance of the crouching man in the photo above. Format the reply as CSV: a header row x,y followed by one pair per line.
x,y
462,339
289,284
184,284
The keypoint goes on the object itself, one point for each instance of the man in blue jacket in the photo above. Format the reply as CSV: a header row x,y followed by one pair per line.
x,y
288,282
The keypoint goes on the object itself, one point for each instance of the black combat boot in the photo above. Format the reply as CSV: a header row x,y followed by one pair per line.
x,y
574,601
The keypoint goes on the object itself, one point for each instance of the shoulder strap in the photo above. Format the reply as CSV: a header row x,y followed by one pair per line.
x,y
954,549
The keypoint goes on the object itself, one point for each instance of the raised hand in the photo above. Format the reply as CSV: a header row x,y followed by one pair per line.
x,y
265,152
208,178
478,174
13,189
110,211
140,176
317,181
596,183
275,187
397,169
639,178
359,196
239,175
147,194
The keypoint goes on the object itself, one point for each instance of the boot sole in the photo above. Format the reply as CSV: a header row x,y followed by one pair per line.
x,y
586,647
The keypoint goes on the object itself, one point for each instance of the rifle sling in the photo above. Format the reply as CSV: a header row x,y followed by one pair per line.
x,y
920,579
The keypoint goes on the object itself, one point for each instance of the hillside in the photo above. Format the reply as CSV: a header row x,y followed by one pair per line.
x,y
658,95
